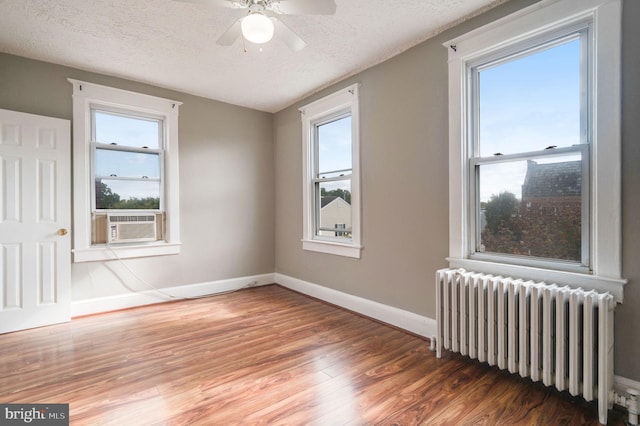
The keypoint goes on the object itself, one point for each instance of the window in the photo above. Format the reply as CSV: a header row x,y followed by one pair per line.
x,y
128,156
529,154
125,166
331,172
534,142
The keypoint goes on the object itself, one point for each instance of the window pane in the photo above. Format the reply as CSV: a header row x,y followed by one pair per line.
x,y
127,164
334,145
334,209
531,102
532,208
127,130
127,194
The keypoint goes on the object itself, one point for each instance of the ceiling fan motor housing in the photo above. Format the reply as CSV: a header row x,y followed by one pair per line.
x,y
256,27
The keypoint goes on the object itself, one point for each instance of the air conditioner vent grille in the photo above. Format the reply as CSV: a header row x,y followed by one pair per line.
x,y
136,218
131,228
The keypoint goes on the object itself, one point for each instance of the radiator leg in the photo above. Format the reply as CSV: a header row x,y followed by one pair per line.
x,y
605,355
634,406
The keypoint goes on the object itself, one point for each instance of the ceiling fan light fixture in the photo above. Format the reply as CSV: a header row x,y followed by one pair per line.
x,y
257,28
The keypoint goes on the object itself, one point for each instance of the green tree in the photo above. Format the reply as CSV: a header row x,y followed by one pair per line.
x,y
500,211
345,195
149,203
107,199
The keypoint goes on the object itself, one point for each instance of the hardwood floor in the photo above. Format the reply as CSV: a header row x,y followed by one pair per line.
x,y
264,355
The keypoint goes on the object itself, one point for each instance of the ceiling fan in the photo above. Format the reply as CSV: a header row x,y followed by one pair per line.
x,y
258,20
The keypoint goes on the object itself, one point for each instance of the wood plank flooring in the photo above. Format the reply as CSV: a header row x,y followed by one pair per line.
x,y
264,355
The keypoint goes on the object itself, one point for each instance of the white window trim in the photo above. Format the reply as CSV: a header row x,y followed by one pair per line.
x,y
345,99
86,95
531,22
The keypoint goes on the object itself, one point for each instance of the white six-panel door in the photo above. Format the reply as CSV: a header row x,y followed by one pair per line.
x,y
35,251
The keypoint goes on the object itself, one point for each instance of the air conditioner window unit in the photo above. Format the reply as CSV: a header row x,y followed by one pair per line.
x,y
129,228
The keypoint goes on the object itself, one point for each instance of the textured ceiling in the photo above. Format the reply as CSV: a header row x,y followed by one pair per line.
x,y
171,44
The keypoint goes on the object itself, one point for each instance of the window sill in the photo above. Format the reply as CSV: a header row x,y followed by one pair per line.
x,y
329,247
615,286
103,252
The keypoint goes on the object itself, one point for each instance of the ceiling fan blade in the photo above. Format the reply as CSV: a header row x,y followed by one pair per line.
x,y
231,35
218,3
288,36
304,7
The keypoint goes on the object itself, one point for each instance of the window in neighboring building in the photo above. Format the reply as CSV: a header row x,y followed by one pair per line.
x,y
331,196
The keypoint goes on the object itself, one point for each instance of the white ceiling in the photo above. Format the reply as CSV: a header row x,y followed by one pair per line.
x,y
171,44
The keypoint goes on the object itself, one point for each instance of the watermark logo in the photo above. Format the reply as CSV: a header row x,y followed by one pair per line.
x,y
34,414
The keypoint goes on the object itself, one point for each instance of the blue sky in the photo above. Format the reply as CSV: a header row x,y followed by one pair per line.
x,y
335,145
127,164
129,131
528,104
334,150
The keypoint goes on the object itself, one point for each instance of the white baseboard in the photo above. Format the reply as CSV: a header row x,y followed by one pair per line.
x,y
417,324
621,384
130,300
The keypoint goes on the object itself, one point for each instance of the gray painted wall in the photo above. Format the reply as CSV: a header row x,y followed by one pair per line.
x,y
627,316
404,149
226,175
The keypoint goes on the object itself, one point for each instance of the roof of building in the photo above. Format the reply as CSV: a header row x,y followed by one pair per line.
x,y
562,179
326,200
